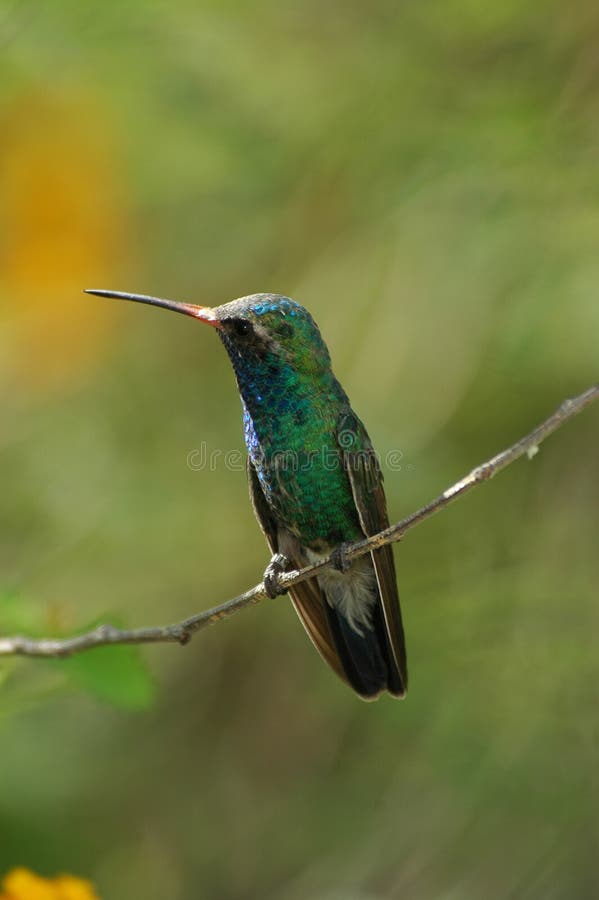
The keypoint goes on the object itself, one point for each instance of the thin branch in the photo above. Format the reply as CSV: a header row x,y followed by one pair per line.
x,y
181,632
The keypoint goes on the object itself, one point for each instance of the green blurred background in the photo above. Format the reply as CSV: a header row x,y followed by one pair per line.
x,y
424,177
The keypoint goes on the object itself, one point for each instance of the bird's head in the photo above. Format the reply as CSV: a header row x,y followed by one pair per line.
x,y
262,330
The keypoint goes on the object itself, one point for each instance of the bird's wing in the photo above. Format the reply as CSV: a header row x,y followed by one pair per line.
x,y
307,597
366,479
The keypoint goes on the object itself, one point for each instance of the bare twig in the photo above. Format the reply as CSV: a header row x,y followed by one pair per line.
x,y
181,632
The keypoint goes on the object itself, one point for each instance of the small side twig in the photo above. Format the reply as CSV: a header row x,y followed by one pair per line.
x,y
181,632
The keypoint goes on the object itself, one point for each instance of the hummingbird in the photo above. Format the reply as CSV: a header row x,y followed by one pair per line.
x,y
315,484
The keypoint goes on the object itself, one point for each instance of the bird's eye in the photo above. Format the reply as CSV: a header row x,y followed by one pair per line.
x,y
242,327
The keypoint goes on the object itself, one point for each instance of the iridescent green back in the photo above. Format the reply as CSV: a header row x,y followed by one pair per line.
x,y
292,405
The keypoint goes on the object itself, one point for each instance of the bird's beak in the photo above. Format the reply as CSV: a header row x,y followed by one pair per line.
x,y
203,313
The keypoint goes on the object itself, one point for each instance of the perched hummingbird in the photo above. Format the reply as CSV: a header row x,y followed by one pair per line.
x,y
315,484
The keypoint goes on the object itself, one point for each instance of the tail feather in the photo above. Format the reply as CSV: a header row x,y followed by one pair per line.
x,y
366,637
367,657
360,655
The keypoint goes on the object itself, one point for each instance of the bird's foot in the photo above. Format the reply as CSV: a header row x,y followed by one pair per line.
x,y
339,558
274,569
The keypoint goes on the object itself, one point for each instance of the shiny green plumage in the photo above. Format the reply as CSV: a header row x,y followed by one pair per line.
x,y
291,404
315,482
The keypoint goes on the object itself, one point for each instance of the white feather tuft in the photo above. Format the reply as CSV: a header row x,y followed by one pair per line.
x,y
352,593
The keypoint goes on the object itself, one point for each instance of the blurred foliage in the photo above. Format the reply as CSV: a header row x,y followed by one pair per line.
x,y
422,176
117,674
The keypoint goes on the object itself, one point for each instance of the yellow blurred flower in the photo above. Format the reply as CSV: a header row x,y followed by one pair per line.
x,y
21,884
62,219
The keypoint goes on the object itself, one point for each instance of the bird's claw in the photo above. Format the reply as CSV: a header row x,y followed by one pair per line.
x,y
274,569
339,558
